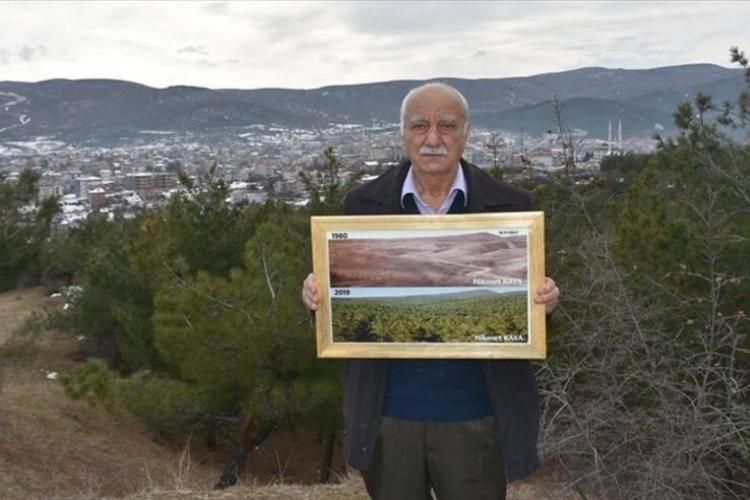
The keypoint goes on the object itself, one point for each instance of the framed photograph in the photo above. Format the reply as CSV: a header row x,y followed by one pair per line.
x,y
439,286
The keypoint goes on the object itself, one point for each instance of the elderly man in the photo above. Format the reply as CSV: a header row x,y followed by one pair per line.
x,y
458,427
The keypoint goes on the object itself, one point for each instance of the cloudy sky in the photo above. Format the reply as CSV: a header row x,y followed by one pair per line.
x,y
313,44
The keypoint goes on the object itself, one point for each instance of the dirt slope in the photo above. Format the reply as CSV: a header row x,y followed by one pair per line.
x,y
53,447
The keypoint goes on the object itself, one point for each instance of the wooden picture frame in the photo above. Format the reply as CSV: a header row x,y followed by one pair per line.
x,y
439,286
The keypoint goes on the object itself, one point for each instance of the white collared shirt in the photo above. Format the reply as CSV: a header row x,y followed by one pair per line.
x,y
410,187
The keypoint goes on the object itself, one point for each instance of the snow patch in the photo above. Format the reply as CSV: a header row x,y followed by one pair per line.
x,y
41,145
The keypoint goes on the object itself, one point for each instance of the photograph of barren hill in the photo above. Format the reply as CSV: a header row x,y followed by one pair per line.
x,y
471,259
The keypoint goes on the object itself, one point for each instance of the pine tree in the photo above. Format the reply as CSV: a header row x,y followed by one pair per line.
x,y
24,226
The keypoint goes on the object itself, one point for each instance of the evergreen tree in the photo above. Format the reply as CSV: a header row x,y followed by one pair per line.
x,y
200,303
24,226
327,188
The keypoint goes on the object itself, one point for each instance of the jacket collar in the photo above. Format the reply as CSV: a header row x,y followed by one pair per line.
x,y
484,194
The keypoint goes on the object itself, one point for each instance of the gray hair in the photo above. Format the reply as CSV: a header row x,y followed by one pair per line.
x,y
432,85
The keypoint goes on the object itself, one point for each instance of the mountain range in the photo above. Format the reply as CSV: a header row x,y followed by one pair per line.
x,y
107,112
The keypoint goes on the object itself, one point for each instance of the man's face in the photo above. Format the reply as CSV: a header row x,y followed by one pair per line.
x,y
435,132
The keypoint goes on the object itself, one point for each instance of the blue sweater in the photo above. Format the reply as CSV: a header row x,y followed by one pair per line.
x,y
436,390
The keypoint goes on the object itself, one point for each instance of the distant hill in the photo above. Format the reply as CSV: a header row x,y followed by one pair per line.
x,y
101,112
587,113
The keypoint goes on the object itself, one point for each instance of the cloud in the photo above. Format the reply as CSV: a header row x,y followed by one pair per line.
x,y
137,45
311,44
31,53
217,7
193,49
302,23
381,18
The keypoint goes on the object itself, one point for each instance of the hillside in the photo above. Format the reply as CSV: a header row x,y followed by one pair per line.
x,y
52,446
107,112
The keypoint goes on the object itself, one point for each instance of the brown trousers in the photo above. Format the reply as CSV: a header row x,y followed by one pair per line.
x,y
455,460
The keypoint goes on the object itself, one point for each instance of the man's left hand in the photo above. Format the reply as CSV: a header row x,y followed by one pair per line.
x,y
548,294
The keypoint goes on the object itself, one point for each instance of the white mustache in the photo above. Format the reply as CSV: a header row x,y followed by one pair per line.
x,y
433,150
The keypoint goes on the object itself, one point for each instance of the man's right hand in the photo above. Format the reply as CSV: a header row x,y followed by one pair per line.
x,y
310,293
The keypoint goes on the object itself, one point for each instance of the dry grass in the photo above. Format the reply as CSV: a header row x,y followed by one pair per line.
x,y
15,306
53,447
546,484
349,488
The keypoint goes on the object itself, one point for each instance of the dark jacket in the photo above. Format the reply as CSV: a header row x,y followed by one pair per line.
x,y
510,383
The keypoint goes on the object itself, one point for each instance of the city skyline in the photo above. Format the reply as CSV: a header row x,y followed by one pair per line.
x,y
315,44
